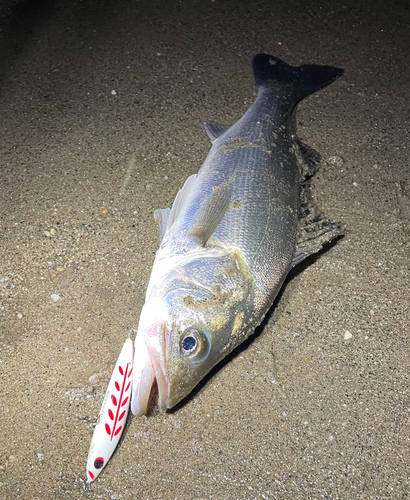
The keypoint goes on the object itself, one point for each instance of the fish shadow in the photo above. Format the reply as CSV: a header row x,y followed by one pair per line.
x,y
258,331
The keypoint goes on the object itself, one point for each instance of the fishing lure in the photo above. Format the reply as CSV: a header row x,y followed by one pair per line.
x,y
113,414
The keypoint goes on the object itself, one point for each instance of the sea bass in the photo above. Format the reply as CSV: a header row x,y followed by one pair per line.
x,y
234,232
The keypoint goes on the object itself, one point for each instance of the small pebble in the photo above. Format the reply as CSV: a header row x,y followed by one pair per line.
x,y
336,160
113,92
55,297
20,316
48,234
60,269
348,335
40,456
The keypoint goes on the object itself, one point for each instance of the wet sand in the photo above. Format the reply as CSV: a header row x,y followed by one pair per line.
x,y
102,107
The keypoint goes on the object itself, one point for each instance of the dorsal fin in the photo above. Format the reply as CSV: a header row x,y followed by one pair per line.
x,y
166,216
161,215
215,129
180,199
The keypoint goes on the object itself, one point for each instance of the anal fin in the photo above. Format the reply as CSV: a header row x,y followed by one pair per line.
x,y
308,160
313,236
315,231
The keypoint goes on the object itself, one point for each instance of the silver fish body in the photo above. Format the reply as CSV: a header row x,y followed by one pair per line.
x,y
233,233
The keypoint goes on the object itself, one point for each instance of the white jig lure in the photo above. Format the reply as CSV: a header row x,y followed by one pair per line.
x,y
113,414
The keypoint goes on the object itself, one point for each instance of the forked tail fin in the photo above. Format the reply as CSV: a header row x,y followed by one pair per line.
x,y
305,80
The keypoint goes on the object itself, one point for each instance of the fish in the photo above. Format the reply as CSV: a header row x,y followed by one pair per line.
x,y
235,230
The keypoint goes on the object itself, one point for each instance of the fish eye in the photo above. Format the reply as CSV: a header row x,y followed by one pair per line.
x,y
191,343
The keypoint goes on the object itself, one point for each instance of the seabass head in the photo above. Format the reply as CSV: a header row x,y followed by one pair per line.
x,y
192,320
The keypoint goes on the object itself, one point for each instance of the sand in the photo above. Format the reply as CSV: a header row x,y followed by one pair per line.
x,y
102,110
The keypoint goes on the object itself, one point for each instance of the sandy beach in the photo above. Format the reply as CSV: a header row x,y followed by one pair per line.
x,y
102,111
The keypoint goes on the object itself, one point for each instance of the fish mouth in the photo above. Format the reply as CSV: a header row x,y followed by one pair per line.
x,y
149,369
156,341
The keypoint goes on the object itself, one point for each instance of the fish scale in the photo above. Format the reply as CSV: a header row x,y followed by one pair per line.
x,y
266,179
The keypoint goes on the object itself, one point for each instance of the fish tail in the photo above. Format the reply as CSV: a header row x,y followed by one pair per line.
x,y
305,80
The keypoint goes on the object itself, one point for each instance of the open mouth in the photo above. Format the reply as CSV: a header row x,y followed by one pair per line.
x,y
149,369
156,340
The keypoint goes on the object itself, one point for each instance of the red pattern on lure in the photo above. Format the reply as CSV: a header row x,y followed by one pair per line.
x,y
113,414
120,402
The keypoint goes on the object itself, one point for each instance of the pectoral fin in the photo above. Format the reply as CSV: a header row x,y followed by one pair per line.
x,y
210,214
